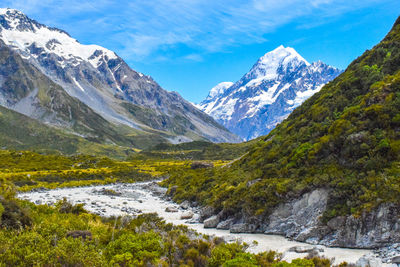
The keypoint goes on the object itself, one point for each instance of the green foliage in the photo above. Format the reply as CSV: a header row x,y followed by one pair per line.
x,y
345,138
197,150
28,170
142,241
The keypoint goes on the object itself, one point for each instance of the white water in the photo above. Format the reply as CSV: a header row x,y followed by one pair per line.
x,y
137,198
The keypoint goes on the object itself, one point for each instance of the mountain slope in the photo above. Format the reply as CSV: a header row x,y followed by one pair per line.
x,y
105,83
278,83
25,89
19,132
343,141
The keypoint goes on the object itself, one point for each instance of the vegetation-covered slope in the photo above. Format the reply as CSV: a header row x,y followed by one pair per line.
x,y
67,235
19,132
197,150
345,138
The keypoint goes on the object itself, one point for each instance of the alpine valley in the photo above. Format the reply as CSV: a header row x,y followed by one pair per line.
x,y
100,166
278,83
90,92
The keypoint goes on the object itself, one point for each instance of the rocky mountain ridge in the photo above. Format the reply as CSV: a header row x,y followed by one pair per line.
x,y
277,83
101,80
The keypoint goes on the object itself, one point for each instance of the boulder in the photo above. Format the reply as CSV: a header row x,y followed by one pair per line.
x,y
369,260
211,222
395,260
306,249
243,228
186,215
206,212
171,209
185,205
225,225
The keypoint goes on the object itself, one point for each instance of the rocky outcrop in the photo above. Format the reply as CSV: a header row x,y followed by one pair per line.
x,y
369,261
378,228
300,219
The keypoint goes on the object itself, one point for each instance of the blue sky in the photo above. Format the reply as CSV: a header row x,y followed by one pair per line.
x,y
191,45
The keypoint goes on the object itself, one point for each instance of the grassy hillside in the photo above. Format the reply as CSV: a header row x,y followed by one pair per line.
x,y
345,138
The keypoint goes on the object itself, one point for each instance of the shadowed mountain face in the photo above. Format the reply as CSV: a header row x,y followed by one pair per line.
x,y
98,80
278,83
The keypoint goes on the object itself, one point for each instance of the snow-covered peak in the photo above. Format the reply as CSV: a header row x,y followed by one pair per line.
x,y
280,59
10,10
278,83
20,32
219,89
282,53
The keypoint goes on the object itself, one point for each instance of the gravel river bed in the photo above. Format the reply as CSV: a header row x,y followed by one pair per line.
x,y
148,197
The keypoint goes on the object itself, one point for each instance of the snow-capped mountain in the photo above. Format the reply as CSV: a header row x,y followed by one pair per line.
x,y
100,79
278,83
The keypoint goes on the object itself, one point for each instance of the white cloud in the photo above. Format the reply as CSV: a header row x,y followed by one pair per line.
x,y
146,29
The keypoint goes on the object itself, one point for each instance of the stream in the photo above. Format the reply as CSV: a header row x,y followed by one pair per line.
x,y
147,197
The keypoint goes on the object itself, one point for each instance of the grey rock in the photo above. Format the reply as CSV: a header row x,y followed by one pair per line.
x,y
186,215
243,228
369,261
211,222
395,259
306,249
299,218
171,209
225,225
206,212
185,205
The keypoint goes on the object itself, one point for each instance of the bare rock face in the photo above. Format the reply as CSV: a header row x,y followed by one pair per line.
x,y
378,228
369,261
299,218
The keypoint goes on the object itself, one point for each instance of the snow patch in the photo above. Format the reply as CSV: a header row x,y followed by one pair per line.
x,y
78,84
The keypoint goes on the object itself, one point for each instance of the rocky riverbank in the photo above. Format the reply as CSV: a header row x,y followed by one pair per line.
x,y
300,220
148,197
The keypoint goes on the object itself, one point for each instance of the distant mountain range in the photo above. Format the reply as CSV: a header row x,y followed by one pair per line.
x,y
278,83
89,91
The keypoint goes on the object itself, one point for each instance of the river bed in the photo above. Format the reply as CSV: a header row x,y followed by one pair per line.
x,y
147,197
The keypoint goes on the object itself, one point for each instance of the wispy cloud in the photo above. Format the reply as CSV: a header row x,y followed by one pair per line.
x,y
143,30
